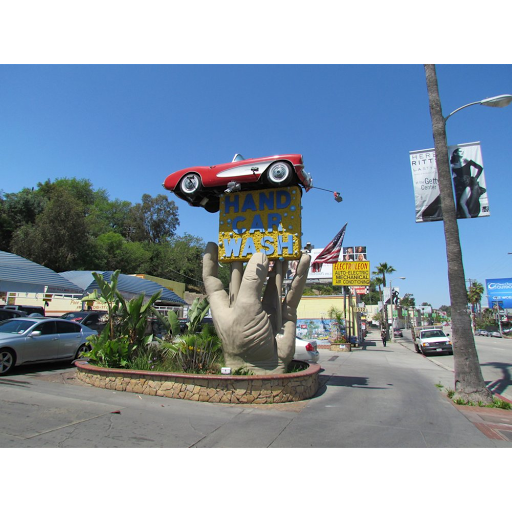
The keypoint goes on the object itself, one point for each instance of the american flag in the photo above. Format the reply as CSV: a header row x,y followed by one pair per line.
x,y
331,253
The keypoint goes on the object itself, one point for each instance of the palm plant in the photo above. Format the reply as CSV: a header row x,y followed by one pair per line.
x,y
337,316
125,334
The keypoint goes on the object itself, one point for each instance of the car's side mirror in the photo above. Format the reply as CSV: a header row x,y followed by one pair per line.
x,y
35,334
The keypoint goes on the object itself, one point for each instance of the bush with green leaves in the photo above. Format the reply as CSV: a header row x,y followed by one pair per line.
x,y
127,343
110,353
126,331
197,352
196,313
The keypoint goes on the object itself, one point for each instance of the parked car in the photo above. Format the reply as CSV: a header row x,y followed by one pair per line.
x,y
433,341
27,309
95,320
6,314
481,332
306,350
397,333
36,340
496,334
203,186
208,320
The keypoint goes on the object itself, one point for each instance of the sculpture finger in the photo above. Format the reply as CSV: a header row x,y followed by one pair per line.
x,y
271,303
294,295
253,280
213,285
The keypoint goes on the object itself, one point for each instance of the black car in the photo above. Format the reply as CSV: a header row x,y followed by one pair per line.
x,y
28,310
7,314
95,320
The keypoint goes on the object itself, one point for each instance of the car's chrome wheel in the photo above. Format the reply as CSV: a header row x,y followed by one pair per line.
x,y
80,351
190,184
279,174
7,361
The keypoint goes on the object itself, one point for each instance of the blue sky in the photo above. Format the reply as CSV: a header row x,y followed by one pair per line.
x,y
125,128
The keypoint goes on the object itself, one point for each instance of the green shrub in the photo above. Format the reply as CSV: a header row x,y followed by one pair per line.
x,y
197,353
107,352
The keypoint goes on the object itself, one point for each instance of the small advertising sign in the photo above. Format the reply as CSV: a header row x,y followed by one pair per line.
x,y
351,273
267,221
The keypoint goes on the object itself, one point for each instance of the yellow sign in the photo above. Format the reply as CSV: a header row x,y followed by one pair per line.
x,y
267,221
351,273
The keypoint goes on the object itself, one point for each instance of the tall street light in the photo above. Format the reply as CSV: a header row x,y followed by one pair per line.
x,y
469,383
496,101
391,304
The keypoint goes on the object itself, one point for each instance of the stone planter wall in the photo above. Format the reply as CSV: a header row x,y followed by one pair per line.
x,y
341,347
234,389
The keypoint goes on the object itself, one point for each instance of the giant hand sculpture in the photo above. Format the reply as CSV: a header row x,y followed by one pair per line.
x,y
257,334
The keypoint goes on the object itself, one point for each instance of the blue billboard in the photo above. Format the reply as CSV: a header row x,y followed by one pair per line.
x,y
499,292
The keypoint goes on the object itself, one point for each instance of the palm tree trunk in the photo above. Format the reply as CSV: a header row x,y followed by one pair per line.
x,y
469,383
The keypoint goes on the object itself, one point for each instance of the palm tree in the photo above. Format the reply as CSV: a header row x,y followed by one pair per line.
x,y
476,290
475,293
382,270
377,282
469,383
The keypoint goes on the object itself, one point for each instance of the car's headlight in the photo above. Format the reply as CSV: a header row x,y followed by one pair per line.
x,y
424,344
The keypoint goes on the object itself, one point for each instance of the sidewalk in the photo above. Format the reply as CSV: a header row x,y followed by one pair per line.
x,y
372,397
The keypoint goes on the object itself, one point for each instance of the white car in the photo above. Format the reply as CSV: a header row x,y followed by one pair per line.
x,y
306,350
433,341
35,340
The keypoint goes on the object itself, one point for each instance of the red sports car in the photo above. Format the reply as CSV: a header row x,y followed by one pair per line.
x,y
203,186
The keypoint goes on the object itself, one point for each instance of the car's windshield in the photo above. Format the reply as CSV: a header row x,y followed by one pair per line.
x,y
238,158
76,315
432,334
16,326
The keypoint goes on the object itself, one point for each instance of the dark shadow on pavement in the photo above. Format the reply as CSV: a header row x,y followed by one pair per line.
x,y
499,385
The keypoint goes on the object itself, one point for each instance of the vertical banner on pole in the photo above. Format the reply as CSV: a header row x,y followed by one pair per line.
x,y
469,185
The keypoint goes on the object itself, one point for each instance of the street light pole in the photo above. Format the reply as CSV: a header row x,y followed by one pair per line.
x,y
391,303
496,101
469,383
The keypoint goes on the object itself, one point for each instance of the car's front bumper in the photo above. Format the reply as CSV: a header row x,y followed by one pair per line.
x,y
437,349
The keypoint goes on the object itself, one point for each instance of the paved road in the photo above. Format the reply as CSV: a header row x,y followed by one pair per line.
x,y
494,354
371,397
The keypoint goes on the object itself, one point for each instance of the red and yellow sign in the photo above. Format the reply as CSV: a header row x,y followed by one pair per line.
x,y
351,273
267,221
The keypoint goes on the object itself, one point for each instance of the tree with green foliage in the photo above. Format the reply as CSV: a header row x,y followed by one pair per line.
x,y
153,220
66,224
58,239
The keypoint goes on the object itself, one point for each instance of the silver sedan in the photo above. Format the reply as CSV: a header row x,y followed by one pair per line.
x,y
35,340
306,350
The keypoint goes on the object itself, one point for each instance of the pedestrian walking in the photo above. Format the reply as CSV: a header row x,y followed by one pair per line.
x,y
384,336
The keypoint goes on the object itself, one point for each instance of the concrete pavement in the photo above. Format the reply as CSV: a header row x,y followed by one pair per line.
x,y
370,397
